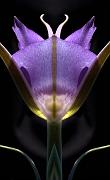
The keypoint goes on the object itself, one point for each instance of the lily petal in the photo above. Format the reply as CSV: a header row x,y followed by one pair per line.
x,y
73,63
37,70
89,80
24,35
20,81
84,35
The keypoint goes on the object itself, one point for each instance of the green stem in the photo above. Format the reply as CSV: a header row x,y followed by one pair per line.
x,y
54,151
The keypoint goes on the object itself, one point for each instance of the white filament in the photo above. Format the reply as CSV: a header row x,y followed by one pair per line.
x,y
58,31
49,29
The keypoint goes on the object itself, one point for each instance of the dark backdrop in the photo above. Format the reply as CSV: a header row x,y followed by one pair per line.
x,y
90,127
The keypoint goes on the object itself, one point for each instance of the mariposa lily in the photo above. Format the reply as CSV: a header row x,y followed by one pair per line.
x,y
54,76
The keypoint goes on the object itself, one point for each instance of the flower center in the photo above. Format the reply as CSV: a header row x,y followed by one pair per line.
x,y
50,103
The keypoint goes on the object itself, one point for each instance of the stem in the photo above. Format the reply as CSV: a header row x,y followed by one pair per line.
x,y
54,150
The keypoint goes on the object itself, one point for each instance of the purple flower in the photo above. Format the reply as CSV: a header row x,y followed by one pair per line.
x,y
54,76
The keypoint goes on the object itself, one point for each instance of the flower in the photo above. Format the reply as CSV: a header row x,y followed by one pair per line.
x,y
54,76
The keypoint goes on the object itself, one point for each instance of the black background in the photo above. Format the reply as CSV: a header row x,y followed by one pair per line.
x,y
90,127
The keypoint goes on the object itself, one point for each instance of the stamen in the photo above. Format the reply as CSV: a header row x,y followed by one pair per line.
x,y
58,31
49,29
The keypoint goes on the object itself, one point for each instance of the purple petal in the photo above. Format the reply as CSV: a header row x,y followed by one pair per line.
x,y
72,64
35,63
84,35
26,74
24,35
82,74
